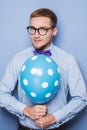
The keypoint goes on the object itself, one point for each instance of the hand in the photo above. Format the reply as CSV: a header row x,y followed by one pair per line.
x,y
35,112
45,121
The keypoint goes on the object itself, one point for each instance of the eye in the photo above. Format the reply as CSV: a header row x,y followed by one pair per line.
x,y
42,30
32,30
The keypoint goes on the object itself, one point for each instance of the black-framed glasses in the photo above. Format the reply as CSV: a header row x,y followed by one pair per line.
x,y
42,30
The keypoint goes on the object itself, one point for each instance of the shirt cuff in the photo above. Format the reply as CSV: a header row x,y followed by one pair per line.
x,y
20,108
59,115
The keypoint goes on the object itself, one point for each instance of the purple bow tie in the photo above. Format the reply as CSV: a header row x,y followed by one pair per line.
x,y
46,52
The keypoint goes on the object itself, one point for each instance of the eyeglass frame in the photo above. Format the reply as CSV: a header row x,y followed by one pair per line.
x,y
37,29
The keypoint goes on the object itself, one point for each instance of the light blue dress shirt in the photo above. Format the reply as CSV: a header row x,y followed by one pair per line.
x,y
71,82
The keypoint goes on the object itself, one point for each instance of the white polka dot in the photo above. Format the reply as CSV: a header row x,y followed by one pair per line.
x,y
58,70
39,71
33,71
34,57
44,85
48,59
23,68
33,94
47,95
50,71
56,83
25,82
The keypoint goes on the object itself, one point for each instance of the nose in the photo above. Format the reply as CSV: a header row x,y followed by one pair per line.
x,y
36,33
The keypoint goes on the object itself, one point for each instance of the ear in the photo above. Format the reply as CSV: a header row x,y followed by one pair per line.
x,y
55,31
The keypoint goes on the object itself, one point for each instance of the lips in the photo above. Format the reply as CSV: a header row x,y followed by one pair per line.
x,y
37,41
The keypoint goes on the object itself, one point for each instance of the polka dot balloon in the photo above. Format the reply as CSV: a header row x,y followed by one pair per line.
x,y
40,78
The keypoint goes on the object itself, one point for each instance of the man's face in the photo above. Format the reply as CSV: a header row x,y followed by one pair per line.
x,y
42,41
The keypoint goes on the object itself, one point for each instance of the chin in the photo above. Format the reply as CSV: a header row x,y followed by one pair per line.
x,y
37,47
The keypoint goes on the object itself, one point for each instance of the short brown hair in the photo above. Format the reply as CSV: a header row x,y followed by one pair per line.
x,y
45,12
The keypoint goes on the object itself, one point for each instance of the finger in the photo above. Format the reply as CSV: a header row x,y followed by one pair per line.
x,y
43,107
40,112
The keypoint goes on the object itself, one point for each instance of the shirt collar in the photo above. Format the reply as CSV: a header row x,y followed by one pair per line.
x,y
49,48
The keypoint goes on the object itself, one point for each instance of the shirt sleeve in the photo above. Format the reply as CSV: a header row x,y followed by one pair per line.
x,y
7,85
78,94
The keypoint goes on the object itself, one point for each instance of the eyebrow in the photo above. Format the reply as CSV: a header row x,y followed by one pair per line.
x,y
39,27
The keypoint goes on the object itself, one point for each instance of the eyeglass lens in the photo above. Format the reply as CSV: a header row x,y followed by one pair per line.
x,y
41,31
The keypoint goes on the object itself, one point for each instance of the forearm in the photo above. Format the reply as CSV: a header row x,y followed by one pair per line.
x,y
70,110
11,104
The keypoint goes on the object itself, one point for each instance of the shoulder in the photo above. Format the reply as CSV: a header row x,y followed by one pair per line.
x,y
20,57
18,60
64,55
63,58
24,54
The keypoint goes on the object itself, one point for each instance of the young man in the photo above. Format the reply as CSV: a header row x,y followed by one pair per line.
x,y
56,112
